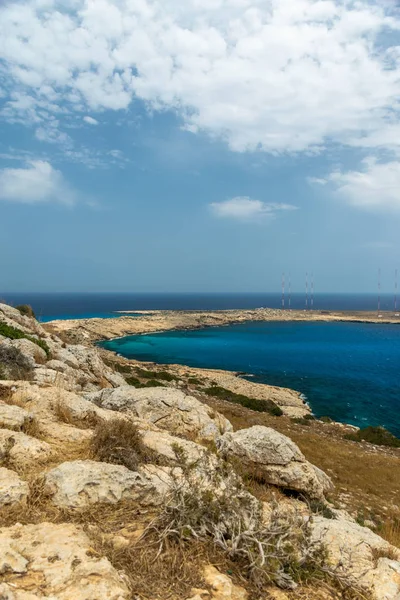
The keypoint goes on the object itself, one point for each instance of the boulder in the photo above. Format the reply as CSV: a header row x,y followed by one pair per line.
x,y
90,362
80,483
13,417
358,556
167,408
276,458
55,562
12,488
21,450
30,349
165,447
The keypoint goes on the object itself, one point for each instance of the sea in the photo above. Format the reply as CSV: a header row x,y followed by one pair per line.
x,y
347,371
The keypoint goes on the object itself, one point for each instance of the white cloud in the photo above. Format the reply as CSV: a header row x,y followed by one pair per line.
x,y
243,208
90,121
276,75
376,187
36,183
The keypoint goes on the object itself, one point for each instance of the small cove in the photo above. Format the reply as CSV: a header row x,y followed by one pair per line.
x,y
348,371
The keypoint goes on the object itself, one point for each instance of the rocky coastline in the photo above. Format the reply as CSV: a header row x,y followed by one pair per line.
x,y
122,480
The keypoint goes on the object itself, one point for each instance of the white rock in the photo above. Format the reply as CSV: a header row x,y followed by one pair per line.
x,y
12,488
350,551
13,417
222,587
167,408
21,450
55,562
30,349
278,459
79,483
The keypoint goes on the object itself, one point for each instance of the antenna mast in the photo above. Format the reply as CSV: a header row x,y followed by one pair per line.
x,y
395,291
379,290
290,292
283,291
306,291
312,291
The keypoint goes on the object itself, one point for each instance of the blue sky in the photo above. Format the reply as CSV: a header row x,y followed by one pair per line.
x,y
198,146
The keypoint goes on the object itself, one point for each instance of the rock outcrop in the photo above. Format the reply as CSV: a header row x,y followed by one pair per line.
x,y
55,562
80,483
167,408
359,557
276,458
13,490
14,417
21,450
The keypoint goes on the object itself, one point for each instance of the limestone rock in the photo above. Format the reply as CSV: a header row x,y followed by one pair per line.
x,y
222,587
358,556
79,483
164,445
13,417
12,488
55,562
30,349
278,459
167,408
22,450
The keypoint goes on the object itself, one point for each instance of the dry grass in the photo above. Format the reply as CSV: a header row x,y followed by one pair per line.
x,y
390,530
119,442
66,415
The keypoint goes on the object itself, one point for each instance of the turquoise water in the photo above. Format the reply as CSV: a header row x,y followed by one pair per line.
x,y
348,371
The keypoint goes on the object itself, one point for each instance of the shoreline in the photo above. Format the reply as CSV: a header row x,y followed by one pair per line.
x,y
97,330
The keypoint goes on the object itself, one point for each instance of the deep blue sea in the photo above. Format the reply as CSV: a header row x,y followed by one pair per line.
x,y
348,371
79,306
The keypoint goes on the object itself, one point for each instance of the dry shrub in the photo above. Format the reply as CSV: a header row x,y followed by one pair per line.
x,y
66,415
119,442
211,506
32,427
390,553
390,530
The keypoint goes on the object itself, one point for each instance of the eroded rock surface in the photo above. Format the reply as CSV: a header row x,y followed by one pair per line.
x,y
277,458
80,483
13,417
359,556
55,562
167,408
21,450
13,489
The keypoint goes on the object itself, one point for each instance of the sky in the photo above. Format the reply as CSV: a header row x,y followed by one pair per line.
x,y
205,145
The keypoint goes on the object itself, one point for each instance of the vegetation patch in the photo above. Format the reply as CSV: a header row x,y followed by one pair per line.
x,y
135,382
379,436
267,406
26,310
16,334
119,442
164,375
14,364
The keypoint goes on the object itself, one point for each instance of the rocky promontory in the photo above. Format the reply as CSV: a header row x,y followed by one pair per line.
x,y
121,480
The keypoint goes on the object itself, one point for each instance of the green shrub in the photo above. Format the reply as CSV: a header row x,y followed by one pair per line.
x,y
375,435
16,334
135,382
26,310
164,375
326,419
267,406
194,381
